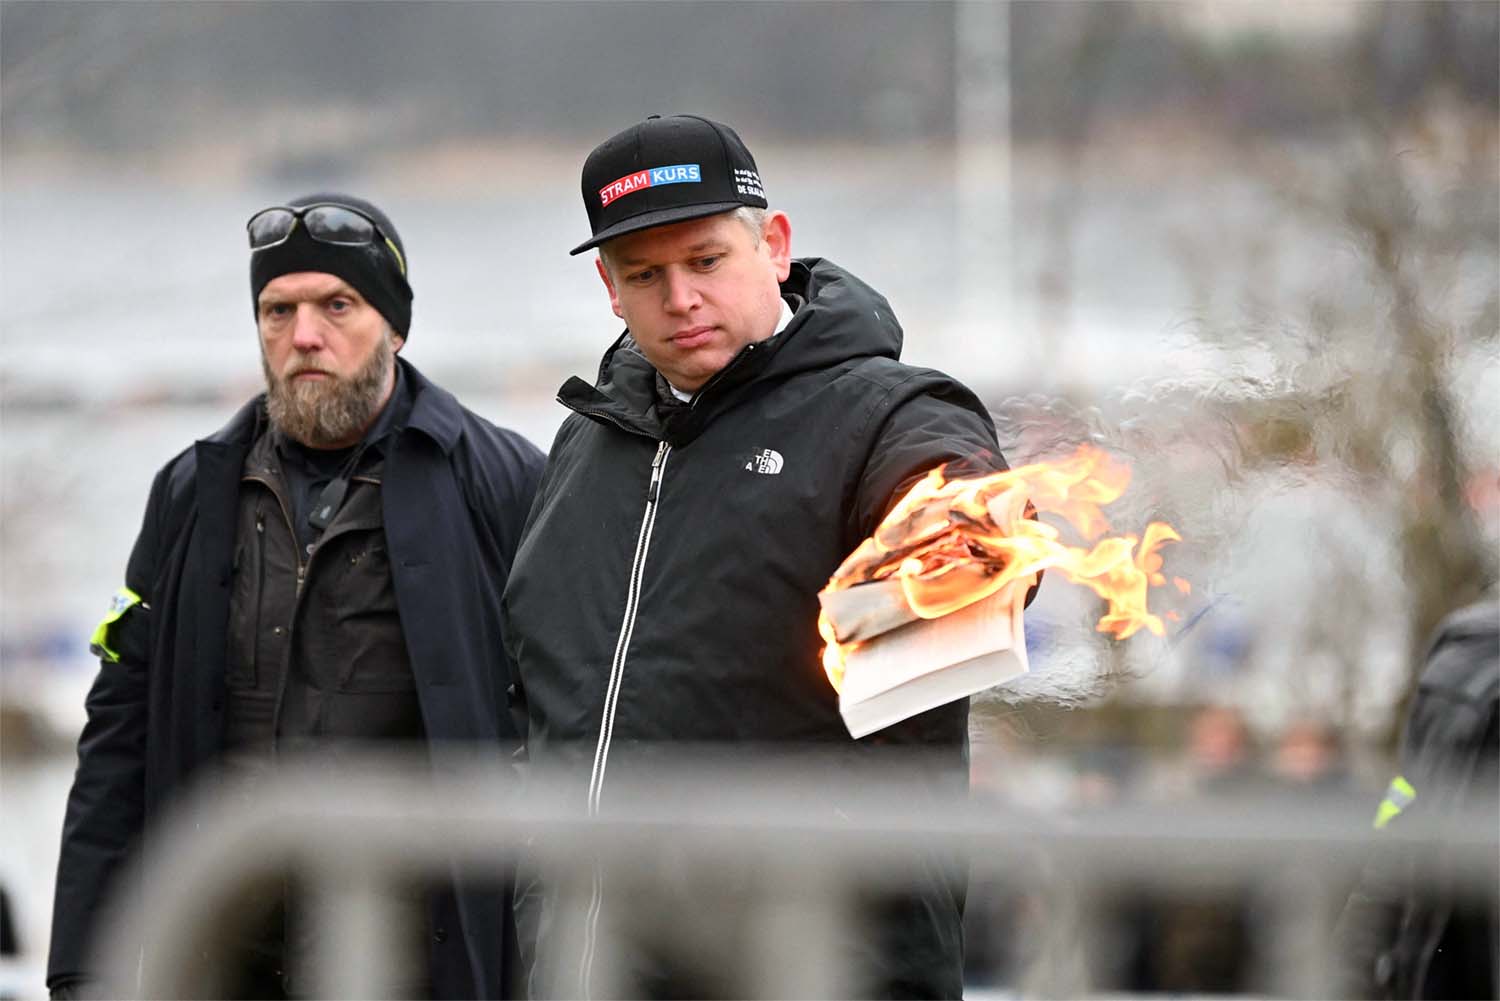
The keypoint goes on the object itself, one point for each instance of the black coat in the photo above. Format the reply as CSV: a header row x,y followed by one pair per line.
x,y
456,490
692,541
1405,934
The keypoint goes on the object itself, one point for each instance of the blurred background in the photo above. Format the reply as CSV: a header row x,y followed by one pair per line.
x,y
1251,249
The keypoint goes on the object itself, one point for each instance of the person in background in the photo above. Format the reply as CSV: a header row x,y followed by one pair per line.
x,y
1221,753
1199,940
321,574
1309,759
1406,932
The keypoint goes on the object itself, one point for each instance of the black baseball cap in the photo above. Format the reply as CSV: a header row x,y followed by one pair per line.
x,y
666,170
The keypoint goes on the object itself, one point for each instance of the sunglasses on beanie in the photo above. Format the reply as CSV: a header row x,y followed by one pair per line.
x,y
325,222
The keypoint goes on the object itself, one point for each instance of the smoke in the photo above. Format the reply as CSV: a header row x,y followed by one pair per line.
x,y
1334,471
1209,455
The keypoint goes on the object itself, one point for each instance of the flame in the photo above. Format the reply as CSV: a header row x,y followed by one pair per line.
x,y
834,653
952,542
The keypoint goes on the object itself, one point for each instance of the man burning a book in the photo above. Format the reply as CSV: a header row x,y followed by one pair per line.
x,y
747,431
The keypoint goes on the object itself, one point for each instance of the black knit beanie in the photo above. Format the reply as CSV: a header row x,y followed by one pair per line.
x,y
372,270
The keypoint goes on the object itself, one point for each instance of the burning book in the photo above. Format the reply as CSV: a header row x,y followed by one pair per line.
x,y
925,663
928,609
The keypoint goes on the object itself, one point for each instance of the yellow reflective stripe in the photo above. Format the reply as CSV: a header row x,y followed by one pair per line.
x,y
124,599
1398,797
401,261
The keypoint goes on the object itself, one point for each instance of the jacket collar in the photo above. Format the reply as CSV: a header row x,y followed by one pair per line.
x,y
434,411
840,318
625,394
242,428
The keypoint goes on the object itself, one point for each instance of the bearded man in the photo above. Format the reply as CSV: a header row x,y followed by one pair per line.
x,y
324,572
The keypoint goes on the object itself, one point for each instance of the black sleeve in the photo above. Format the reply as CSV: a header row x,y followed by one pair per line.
x,y
924,423
941,423
502,475
1447,755
106,806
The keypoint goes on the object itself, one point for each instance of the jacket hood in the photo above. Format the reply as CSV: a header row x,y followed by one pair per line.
x,y
839,319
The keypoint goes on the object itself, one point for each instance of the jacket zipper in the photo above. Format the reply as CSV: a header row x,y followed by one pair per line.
x,y
260,594
718,377
627,627
286,647
287,517
612,696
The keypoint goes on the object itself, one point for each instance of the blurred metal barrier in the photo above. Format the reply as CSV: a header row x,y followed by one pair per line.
x,y
788,851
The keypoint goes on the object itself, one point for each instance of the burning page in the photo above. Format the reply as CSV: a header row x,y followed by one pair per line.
x,y
928,663
928,609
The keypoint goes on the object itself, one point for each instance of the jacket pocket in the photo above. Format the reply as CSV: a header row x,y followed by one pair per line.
x,y
361,645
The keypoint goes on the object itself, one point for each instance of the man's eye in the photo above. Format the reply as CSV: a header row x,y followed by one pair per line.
x,y
704,263
277,310
641,277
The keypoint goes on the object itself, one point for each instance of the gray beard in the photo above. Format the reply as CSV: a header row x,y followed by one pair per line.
x,y
331,413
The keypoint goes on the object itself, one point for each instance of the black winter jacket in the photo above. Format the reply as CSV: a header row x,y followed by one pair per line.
x,y
1405,935
666,586
455,492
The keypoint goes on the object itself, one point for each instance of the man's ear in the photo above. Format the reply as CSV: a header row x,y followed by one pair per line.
x,y
778,237
398,342
614,298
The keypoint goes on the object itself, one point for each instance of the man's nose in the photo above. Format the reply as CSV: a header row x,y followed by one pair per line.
x,y
307,328
681,292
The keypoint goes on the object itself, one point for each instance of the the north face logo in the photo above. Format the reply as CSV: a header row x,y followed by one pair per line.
x,y
767,460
